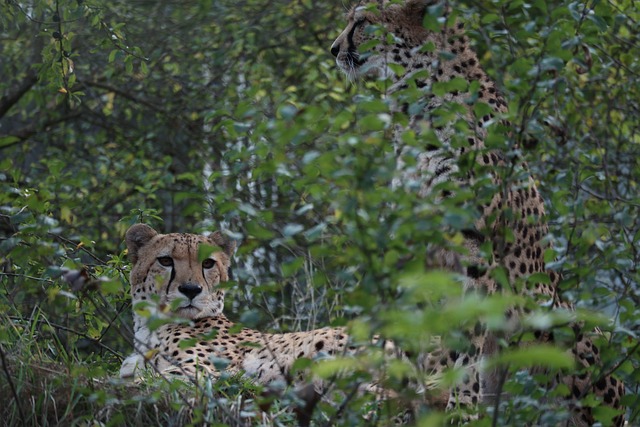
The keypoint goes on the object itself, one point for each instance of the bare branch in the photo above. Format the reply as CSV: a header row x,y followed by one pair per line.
x,y
12,97
28,131
13,388
124,94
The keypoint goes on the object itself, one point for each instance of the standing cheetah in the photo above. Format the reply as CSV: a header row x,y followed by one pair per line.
x,y
411,57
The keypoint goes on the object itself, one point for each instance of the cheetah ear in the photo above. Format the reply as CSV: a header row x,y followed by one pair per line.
x,y
227,245
137,236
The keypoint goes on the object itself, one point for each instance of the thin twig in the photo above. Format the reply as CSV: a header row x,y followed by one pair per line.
x,y
338,413
496,408
83,249
34,20
67,329
5,368
24,276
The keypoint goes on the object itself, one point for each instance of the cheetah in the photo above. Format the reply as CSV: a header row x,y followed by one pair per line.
x,y
171,274
176,284
409,57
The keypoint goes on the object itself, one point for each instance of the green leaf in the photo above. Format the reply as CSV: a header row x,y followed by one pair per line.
x,y
254,229
605,414
489,18
300,364
111,287
533,355
292,267
205,251
292,229
328,368
397,69
185,343
501,276
8,140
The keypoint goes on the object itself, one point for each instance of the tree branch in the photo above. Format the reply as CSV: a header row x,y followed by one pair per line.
x,y
124,94
12,97
16,398
28,131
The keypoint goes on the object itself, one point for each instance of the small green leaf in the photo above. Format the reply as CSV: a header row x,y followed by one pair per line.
x,y
219,363
328,368
111,287
292,267
300,364
205,251
187,343
8,140
501,276
537,355
292,229
489,18
368,46
605,414
396,68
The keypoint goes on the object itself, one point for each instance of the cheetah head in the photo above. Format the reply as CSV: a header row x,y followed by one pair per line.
x,y
182,270
397,28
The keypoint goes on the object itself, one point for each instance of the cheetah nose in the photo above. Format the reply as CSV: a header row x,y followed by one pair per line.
x,y
190,290
335,49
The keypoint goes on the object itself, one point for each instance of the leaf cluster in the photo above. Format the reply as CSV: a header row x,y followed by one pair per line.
x,y
199,115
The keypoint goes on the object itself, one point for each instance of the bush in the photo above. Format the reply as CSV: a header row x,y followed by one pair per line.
x,y
202,115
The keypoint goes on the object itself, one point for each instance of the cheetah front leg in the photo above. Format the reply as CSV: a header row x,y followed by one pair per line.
x,y
467,393
132,365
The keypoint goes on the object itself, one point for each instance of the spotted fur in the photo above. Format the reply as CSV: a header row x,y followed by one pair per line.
x,y
168,278
517,209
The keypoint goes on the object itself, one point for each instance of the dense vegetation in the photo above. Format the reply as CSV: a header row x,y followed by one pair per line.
x,y
202,115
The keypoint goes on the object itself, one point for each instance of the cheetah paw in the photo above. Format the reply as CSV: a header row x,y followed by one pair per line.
x,y
131,366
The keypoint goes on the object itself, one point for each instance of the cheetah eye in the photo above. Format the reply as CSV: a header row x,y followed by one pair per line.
x,y
208,263
165,261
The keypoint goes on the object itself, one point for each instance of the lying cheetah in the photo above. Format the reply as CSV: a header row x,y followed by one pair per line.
x,y
411,57
171,278
166,268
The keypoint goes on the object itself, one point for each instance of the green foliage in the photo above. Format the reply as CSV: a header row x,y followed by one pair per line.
x,y
199,115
